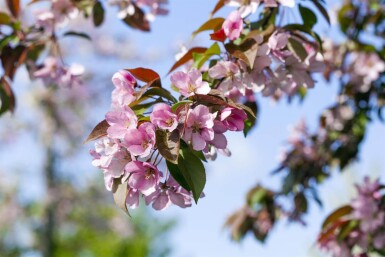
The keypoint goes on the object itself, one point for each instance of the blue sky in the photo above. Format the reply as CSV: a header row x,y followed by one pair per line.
x,y
199,232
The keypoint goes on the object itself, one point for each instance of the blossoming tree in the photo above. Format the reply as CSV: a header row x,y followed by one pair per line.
x,y
155,139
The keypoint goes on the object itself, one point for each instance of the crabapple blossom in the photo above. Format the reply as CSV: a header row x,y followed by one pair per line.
x,y
111,158
233,25
233,118
54,73
277,42
120,121
229,72
190,83
139,142
142,176
163,117
245,8
199,127
167,193
123,94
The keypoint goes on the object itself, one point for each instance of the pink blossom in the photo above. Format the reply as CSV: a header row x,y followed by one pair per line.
x,y
190,83
245,8
277,42
64,10
274,3
110,157
120,121
169,193
54,73
123,94
140,141
142,176
199,127
231,74
219,140
132,199
233,25
163,117
233,118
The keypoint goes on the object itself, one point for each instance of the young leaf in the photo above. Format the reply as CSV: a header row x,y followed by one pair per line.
x,y
212,24
98,14
120,191
218,36
99,131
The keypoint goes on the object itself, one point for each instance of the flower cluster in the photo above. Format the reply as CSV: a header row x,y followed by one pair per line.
x,y
357,229
129,7
61,12
276,69
250,7
54,73
129,152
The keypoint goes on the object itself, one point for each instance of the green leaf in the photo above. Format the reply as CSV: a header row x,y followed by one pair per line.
x,y
308,16
191,168
336,215
98,14
212,24
175,107
120,191
158,91
200,59
168,144
187,57
7,98
322,10
77,34
4,18
99,131
297,48
177,175
139,109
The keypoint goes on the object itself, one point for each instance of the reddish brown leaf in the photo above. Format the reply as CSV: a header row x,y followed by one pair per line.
x,y
12,58
212,24
187,57
14,7
144,74
218,6
218,36
137,20
7,97
336,215
210,99
99,131
324,236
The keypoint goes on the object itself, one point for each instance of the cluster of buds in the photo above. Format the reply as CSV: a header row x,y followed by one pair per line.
x,y
357,230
